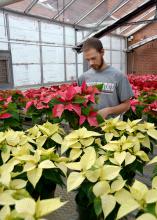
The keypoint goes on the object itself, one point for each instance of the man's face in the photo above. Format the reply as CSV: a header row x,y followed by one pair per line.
x,y
94,58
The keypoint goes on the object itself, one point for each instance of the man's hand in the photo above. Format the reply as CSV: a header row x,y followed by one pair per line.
x,y
115,110
104,112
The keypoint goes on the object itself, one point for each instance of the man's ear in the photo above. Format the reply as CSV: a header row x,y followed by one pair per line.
x,y
102,51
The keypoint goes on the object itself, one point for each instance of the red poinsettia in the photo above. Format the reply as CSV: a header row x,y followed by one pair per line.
x,y
91,118
5,115
59,108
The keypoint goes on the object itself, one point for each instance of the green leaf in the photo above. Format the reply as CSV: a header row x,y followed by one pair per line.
x,y
54,175
150,209
85,111
97,206
79,100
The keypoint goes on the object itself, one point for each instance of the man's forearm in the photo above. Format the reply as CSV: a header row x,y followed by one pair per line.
x,y
119,109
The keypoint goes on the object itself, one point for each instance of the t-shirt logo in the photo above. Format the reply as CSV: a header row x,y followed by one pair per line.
x,y
108,87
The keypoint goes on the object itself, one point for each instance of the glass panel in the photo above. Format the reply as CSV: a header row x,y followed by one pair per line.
x,y
48,8
53,55
96,15
25,54
115,43
26,75
23,28
53,73
128,7
124,57
71,72
73,13
80,69
20,6
116,57
106,42
70,55
107,56
80,58
123,44
79,36
52,33
69,36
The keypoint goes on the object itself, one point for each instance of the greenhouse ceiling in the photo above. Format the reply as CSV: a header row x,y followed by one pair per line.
x,y
91,15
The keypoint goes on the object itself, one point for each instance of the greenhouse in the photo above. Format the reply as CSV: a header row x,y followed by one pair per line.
x,y
78,109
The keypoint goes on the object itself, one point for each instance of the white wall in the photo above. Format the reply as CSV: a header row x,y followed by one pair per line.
x,y
27,52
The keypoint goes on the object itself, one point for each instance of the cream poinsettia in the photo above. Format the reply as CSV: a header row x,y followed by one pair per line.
x,y
137,197
41,132
77,141
42,159
93,169
126,149
26,207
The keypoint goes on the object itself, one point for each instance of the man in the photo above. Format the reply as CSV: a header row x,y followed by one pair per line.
x,y
116,93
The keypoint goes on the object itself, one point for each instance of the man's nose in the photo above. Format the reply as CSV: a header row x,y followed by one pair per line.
x,y
91,62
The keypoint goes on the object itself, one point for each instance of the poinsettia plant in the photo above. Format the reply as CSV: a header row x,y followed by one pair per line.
x,y
145,97
68,102
11,102
32,157
104,163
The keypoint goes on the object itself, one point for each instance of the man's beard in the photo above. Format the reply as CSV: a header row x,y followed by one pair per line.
x,y
98,67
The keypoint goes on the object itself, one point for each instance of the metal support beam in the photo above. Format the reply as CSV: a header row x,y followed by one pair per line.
x,y
41,54
11,77
8,2
89,12
141,43
66,7
79,27
27,10
121,21
65,60
76,56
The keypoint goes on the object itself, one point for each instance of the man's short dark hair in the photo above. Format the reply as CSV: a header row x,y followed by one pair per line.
x,y
92,43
